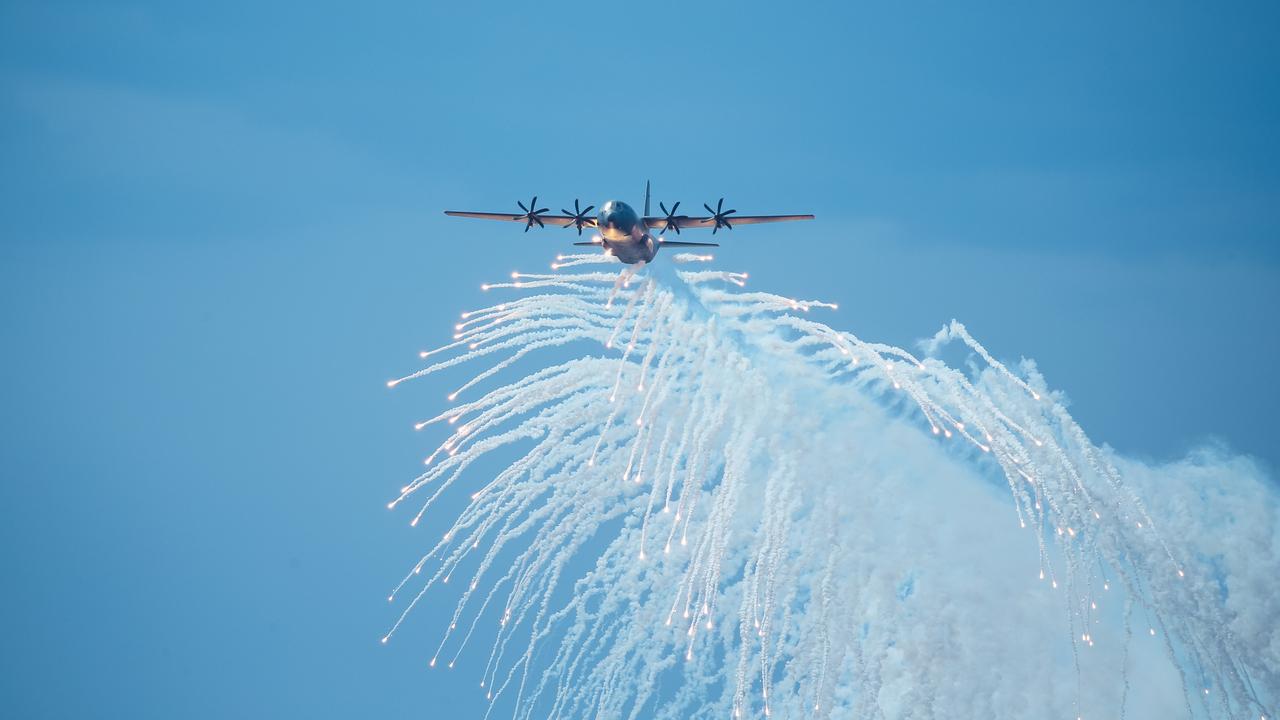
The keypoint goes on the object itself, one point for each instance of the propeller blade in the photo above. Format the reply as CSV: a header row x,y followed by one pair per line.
x,y
719,205
522,207
708,207
728,212
587,209
675,207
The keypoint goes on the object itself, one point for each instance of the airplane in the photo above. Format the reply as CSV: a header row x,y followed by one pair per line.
x,y
625,234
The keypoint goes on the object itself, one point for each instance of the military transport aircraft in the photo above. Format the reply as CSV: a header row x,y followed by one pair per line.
x,y
623,233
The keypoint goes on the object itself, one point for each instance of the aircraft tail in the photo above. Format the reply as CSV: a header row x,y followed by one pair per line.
x,y
646,198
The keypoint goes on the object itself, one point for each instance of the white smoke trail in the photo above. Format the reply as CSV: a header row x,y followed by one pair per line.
x,y
786,520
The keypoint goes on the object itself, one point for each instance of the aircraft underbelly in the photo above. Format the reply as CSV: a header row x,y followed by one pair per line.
x,y
634,250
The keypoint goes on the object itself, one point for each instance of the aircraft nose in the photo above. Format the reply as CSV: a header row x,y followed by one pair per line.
x,y
616,220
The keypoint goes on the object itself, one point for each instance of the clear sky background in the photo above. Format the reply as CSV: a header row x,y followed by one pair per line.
x,y
220,233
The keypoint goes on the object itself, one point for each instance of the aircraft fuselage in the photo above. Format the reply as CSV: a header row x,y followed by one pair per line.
x,y
624,233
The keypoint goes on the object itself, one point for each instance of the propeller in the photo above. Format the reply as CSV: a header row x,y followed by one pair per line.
x,y
579,218
530,214
671,223
719,215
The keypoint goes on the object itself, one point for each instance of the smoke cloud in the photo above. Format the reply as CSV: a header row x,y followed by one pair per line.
x,y
720,507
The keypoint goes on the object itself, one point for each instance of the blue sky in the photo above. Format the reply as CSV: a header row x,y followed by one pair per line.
x,y
221,233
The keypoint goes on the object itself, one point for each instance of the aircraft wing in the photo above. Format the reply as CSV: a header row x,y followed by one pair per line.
x,y
557,220
687,221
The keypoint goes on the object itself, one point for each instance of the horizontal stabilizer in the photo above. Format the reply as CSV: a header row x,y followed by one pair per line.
x,y
678,243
